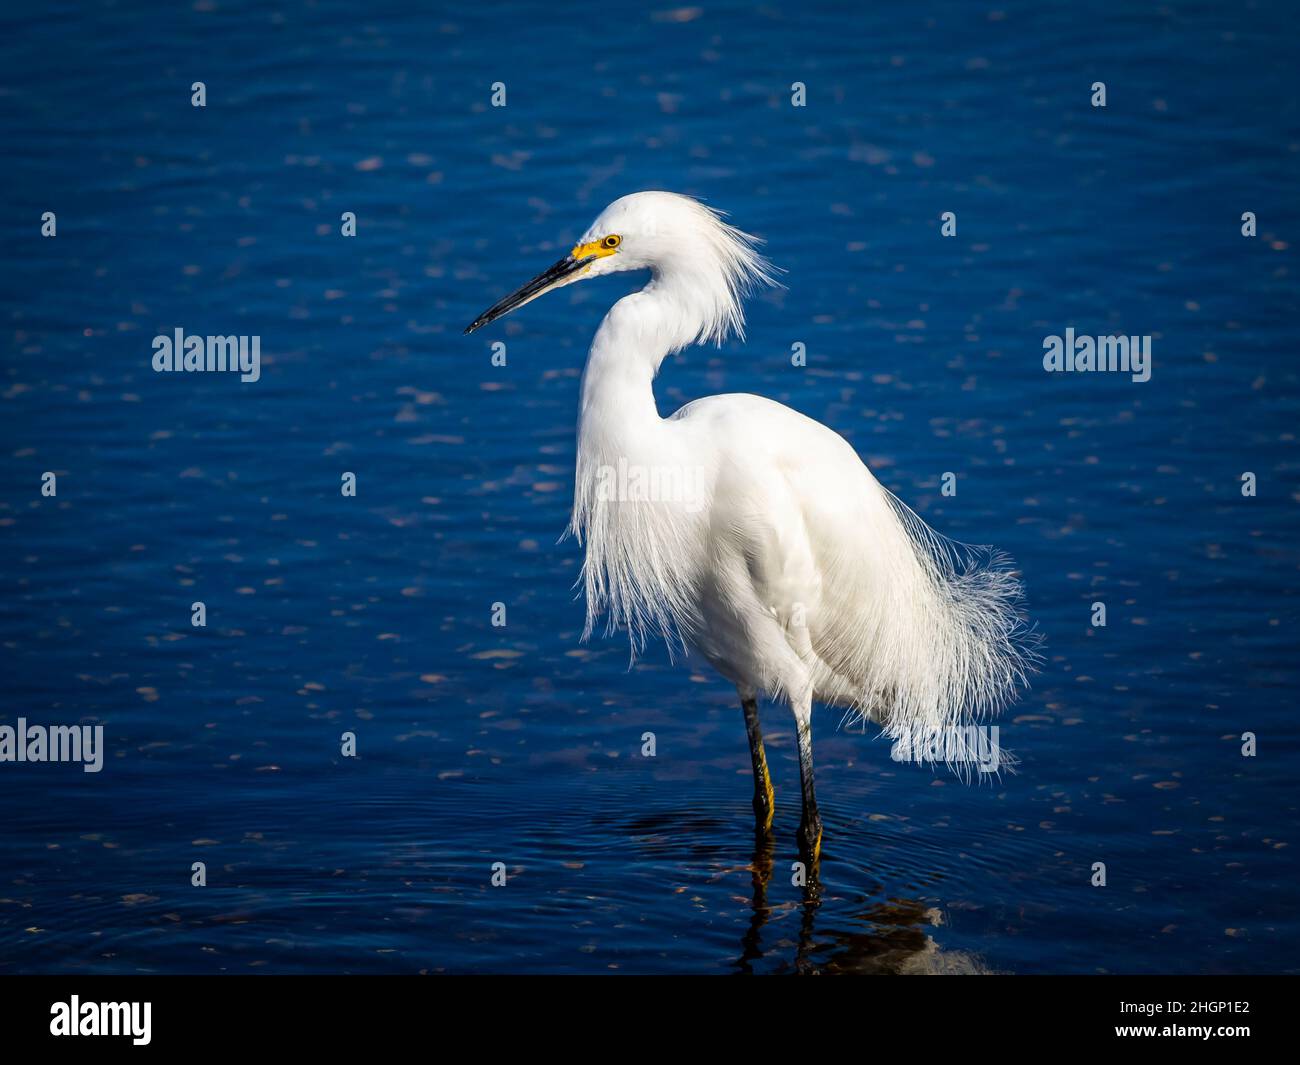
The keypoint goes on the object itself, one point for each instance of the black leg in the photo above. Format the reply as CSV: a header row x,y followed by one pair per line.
x,y
810,824
764,797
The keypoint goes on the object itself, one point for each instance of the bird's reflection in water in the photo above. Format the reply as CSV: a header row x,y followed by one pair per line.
x,y
833,934
893,939
761,871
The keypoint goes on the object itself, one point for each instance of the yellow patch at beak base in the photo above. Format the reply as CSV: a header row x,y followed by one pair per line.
x,y
592,248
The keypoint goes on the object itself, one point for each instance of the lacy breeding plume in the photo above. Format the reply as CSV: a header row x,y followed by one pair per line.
x,y
791,570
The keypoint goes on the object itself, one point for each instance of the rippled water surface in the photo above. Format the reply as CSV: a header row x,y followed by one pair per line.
x,y
521,744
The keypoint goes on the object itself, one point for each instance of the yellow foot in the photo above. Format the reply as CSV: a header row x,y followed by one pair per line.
x,y
765,806
810,842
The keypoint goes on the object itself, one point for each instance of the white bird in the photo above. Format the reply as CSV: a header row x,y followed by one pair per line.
x,y
752,533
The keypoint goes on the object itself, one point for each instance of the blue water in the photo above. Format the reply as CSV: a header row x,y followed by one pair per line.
x,y
520,744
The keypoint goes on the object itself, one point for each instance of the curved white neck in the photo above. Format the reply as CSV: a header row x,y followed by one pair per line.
x,y
637,334
631,568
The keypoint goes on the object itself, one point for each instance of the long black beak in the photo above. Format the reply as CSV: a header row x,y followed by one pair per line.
x,y
543,282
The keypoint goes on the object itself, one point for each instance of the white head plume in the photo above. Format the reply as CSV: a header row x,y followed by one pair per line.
x,y
712,265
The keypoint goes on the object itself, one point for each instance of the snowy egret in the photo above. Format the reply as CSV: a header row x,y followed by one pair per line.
x,y
752,533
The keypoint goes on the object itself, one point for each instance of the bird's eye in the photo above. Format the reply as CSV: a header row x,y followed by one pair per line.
x,y
612,241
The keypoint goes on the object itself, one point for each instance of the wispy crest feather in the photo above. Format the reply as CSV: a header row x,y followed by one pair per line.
x,y
741,269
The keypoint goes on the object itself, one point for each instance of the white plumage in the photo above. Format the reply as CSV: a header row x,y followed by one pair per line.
x,y
756,535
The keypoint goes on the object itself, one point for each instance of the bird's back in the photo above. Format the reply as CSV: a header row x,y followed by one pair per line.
x,y
887,617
